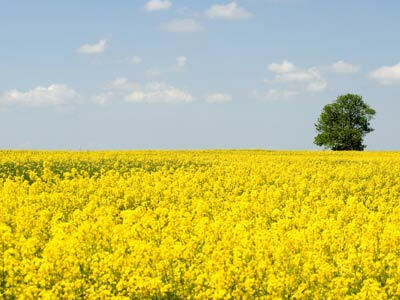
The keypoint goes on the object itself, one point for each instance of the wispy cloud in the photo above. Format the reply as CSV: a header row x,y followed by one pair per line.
x,y
181,62
159,92
181,26
122,84
178,66
218,98
276,95
284,67
344,67
151,93
96,48
134,60
229,11
154,5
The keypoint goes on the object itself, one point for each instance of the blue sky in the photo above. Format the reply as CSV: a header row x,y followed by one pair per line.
x,y
169,74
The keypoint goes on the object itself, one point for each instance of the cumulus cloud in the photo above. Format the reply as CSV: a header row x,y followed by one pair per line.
x,y
283,67
153,92
123,89
342,67
53,95
122,84
181,26
181,62
387,74
96,48
116,90
104,97
311,78
275,95
119,83
159,92
218,98
317,86
229,11
153,5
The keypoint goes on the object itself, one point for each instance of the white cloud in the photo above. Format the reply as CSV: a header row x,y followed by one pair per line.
x,y
55,94
298,76
99,47
284,67
178,66
181,61
274,94
116,90
119,82
342,67
155,92
122,84
181,25
159,92
135,60
387,74
153,72
104,98
317,86
230,11
153,5
218,98
310,79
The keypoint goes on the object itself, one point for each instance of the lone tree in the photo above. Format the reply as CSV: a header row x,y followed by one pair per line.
x,y
343,124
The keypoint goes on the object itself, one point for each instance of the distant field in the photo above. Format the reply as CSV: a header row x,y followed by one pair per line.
x,y
199,224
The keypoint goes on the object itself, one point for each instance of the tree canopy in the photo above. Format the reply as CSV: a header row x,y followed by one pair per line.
x,y
344,123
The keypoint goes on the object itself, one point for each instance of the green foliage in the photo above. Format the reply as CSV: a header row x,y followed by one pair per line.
x,y
343,124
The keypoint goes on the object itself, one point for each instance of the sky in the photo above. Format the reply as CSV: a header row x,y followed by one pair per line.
x,y
174,74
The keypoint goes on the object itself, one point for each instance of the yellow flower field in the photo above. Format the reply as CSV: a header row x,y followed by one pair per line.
x,y
199,225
